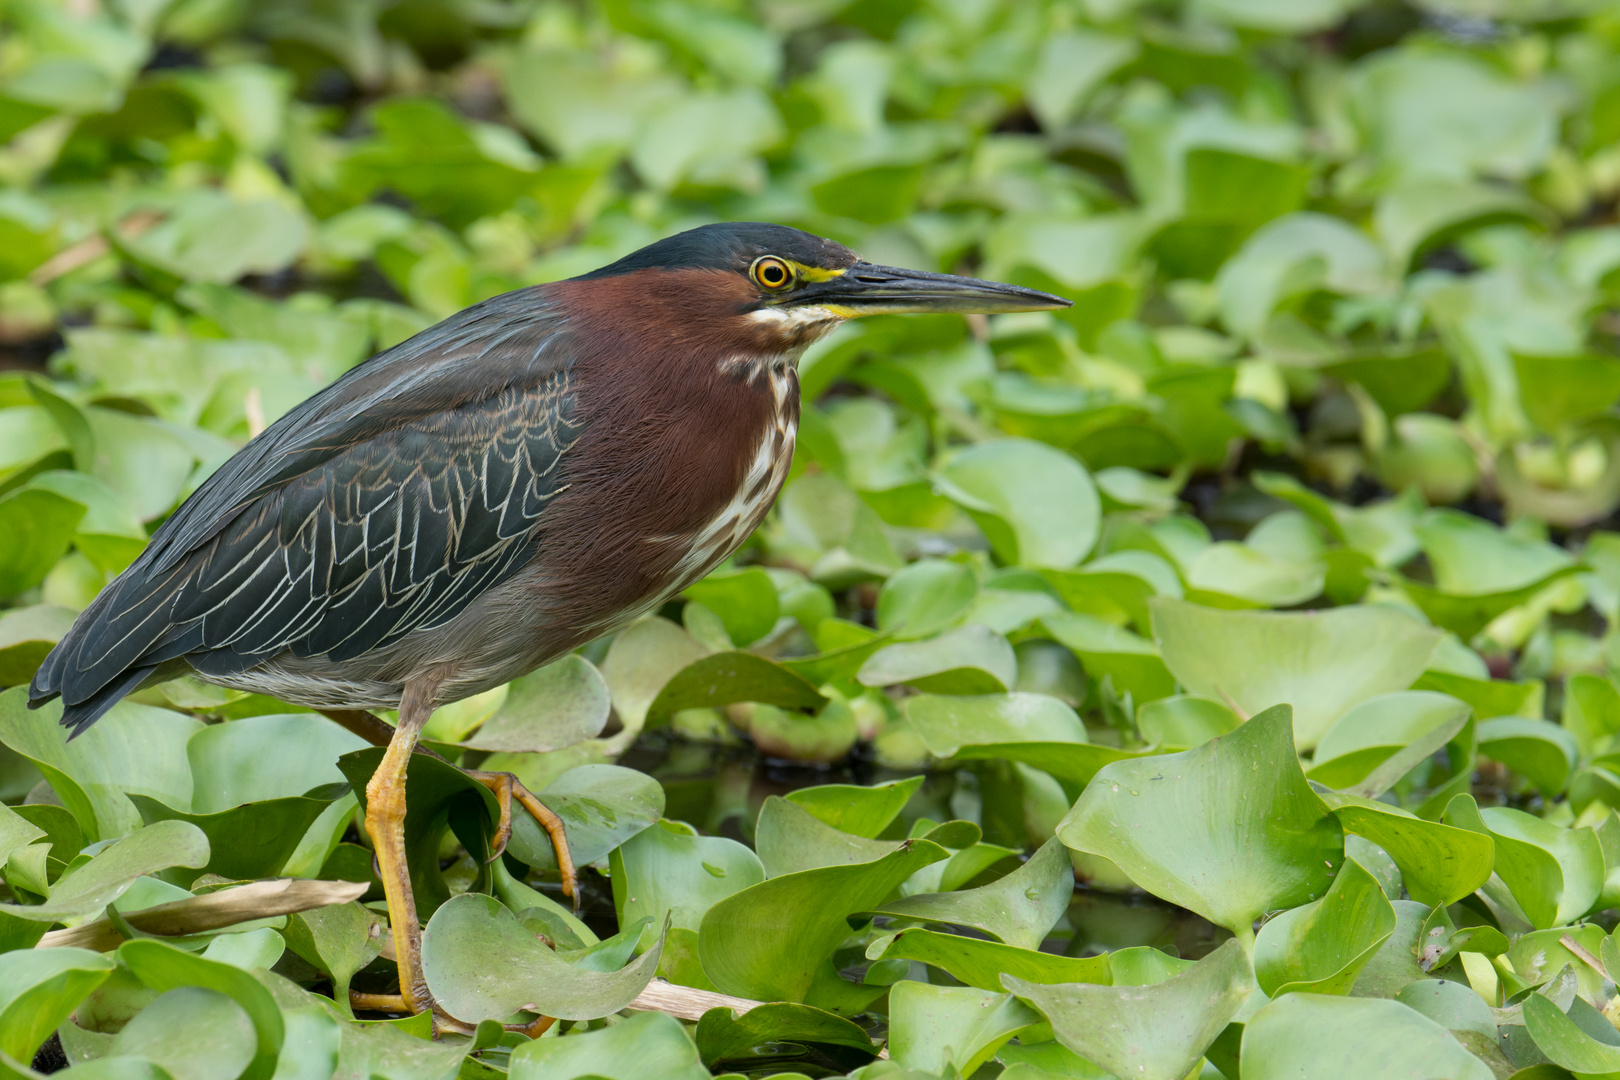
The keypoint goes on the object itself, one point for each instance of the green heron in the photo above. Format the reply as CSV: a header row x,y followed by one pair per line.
x,y
533,472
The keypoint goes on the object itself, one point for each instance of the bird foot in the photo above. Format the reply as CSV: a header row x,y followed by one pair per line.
x,y
507,787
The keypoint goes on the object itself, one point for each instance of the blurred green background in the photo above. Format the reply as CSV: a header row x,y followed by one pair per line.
x,y
1345,279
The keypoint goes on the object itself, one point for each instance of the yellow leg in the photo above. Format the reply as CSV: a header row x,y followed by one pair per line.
x,y
508,787
385,821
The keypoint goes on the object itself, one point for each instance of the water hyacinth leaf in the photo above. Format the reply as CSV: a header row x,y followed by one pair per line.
x,y
647,1044
1154,1032
1362,740
163,967
26,637
90,887
211,237
981,963
948,723
1439,863
857,810
1107,651
39,527
556,706
1567,1043
134,749
1116,586
933,1029
1233,575
1337,1038
1538,750
1555,874
190,1032
386,1050
789,838
1072,764
727,1041
1321,947
643,657
1185,720
1480,570
1019,909
16,832
601,806
1321,663
1229,830
482,964
970,659
769,942
338,939
726,677
1591,712
1037,505
746,602
669,871
925,597
250,841
40,988
258,758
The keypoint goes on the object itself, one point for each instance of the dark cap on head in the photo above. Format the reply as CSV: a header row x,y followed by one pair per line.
x,y
730,246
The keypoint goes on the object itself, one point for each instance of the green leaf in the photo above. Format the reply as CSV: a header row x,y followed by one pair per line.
x,y
1538,750
925,597
601,807
789,838
770,941
728,1041
1374,744
1566,1043
38,526
1185,721
726,677
1116,587
1037,505
1557,391
1154,1032
1439,864
211,237
1113,652
338,939
39,989
948,723
933,1029
556,706
857,810
981,963
90,887
163,967
1321,947
970,659
27,636
643,657
1019,909
482,964
1555,873
1322,663
746,602
645,1045
669,871
134,749
250,841
1229,830
191,1033
1480,571
1337,1038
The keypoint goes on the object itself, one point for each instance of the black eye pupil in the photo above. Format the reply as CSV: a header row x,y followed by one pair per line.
x,y
772,273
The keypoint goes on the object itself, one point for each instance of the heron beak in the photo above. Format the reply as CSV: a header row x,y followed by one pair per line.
x,y
868,289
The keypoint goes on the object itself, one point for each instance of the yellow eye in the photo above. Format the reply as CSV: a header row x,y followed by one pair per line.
x,y
772,273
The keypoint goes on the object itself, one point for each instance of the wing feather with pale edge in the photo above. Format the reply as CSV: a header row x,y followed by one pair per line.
x,y
384,504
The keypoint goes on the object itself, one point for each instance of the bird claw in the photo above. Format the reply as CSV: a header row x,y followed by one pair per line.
x,y
507,787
